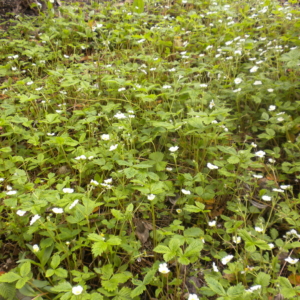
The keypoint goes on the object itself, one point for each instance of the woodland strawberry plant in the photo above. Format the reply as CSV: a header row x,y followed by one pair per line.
x,y
150,150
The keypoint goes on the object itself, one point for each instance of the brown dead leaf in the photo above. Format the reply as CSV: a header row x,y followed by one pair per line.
x,y
294,279
230,277
142,230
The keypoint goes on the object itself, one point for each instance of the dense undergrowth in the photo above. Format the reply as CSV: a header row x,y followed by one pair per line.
x,y
151,151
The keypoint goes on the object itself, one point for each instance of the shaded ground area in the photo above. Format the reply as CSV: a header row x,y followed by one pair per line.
x,y
10,9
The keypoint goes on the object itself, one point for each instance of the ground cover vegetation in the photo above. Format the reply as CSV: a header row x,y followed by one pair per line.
x,y
151,151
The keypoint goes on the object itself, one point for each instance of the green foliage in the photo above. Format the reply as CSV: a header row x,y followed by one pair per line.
x,y
147,145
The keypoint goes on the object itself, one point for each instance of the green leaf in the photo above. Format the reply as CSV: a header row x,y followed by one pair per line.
x,y
215,286
107,271
98,248
193,232
284,282
168,256
161,249
194,248
62,287
149,276
262,245
7,290
184,260
246,236
45,254
117,214
175,244
112,284
55,261
114,240
9,277
21,282
233,160
193,208
62,273
95,237
123,294
236,291
263,279
53,118
156,156
49,272
25,269
138,290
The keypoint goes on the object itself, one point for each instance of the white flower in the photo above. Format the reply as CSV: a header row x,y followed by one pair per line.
x,y
236,239
292,232
66,56
163,268
212,167
81,157
105,137
2,179
258,229
203,85
257,176
11,193
119,116
270,90
193,297
253,145
257,82
285,187
253,69
77,290
21,213
169,169
266,198
271,160
212,223
225,260
211,104
254,288
90,157
271,245
34,219
58,111
278,190
29,83
237,90
113,147
35,248
94,182
260,153
109,180
215,268
50,134
291,260
151,197
280,119
14,68
68,190
166,87
141,41
73,204
179,211
57,210
121,89
238,80
174,148
186,192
